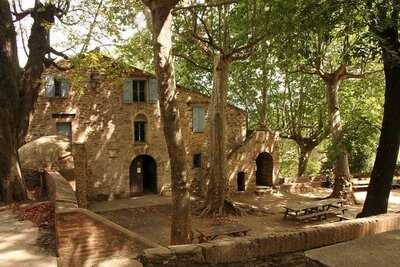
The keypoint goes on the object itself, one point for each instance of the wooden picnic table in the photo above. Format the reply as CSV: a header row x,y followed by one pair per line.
x,y
220,230
315,209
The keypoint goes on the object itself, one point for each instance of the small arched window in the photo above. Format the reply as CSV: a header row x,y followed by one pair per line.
x,y
139,126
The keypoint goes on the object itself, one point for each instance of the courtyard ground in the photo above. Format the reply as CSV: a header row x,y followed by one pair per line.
x,y
150,215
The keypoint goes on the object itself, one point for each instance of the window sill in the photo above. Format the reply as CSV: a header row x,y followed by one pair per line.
x,y
138,143
56,97
139,103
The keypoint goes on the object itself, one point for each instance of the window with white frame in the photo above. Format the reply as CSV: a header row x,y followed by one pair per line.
x,y
136,90
139,128
56,86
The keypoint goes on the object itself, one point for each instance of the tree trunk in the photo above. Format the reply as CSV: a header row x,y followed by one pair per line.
x,y
164,65
341,162
12,185
304,156
218,186
39,46
388,148
264,108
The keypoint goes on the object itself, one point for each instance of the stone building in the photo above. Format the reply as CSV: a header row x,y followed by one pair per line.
x,y
117,118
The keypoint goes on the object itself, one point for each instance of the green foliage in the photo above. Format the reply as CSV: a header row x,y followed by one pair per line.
x,y
288,158
362,113
283,41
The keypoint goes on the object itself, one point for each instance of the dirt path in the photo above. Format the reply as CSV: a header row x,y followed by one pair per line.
x,y
153,221
18,247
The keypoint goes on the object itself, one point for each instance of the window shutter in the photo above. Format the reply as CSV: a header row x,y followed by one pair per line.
x,y
201,119
64,88
128,92
195,122
49,86
152,91
198,119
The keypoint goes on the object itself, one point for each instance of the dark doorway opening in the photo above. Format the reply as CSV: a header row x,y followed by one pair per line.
x,y
241,182
143,175
265,166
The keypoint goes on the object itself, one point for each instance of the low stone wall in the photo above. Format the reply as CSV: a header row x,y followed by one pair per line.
x,y
279,249
85,238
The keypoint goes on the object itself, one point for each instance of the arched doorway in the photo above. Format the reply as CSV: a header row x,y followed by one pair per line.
x,y
265,167
143,175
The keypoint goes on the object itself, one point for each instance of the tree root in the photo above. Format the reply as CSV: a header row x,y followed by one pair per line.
x,y
230,208
342,188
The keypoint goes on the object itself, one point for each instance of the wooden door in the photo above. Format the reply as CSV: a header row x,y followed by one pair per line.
x,y
136,176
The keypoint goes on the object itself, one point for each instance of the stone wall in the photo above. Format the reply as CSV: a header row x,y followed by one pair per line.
x,y
243,158
272,249
85,238
104,123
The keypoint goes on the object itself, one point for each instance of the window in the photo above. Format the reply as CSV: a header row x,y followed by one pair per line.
x,y
65,129
138,91
56,86
197,160
198,119
134,91
140,128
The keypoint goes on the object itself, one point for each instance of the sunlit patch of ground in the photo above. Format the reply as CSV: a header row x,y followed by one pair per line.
x,y
153,222
394,199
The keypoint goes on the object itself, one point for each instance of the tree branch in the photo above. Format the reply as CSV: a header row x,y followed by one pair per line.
x,y
193,62
58,53
50,62
228,2
20,15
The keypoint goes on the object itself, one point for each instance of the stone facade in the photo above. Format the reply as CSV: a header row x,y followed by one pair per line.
x,y
101,120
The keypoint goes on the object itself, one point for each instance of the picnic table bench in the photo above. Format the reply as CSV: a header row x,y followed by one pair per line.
x,y
316,209
220,230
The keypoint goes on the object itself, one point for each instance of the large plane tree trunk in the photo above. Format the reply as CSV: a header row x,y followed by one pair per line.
x,y
341,171
19,88
164,66
304,156
12,185
388,148
218,185
264,108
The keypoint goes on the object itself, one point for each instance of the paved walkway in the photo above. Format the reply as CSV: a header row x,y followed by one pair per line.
x,y
18,243
129,203
376,250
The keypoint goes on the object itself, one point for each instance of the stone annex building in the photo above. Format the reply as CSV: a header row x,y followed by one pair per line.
x,y
118,121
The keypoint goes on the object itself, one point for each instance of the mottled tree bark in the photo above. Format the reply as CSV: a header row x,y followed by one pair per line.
x,y
341,162
12,184
19,89
218,185
304,157
264,108
388,148
164,66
